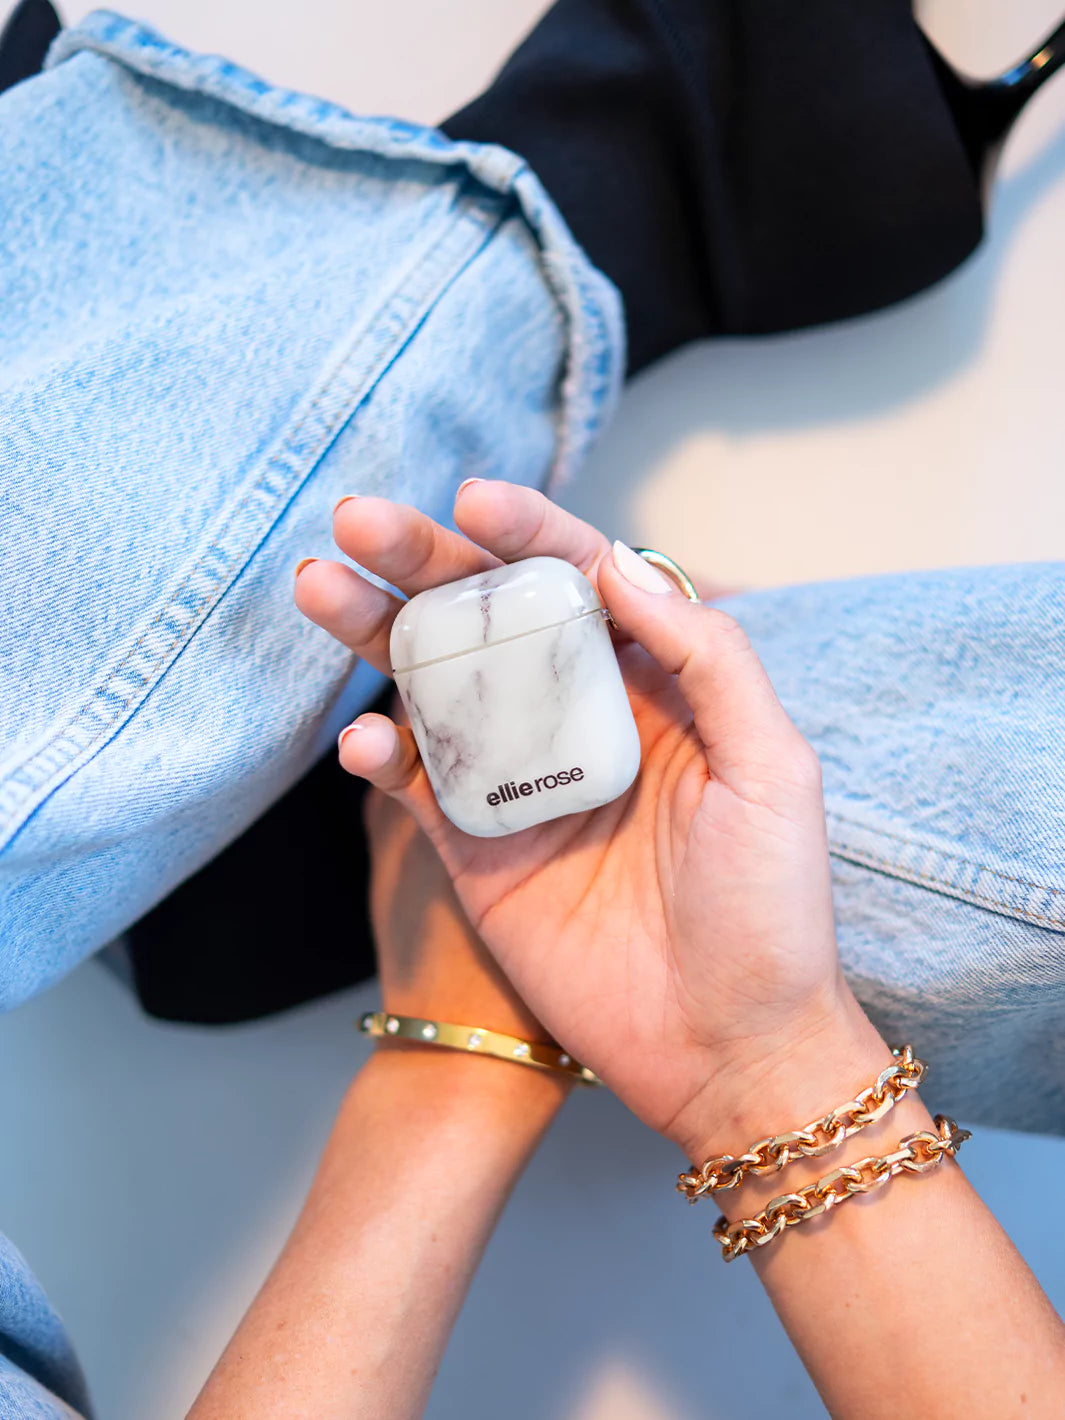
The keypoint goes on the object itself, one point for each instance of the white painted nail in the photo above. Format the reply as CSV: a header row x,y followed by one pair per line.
x,y
640,573
345,732
377,741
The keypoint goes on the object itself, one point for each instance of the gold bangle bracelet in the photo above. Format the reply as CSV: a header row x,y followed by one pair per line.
x,y
818,1137
917,1153
476,1040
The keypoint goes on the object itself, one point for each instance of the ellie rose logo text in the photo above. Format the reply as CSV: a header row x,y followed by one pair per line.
x,y
503,793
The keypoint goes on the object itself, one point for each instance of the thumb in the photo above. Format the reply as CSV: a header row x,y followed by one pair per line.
x,y
744,729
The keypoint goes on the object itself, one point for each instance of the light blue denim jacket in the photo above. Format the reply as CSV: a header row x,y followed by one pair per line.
x,y
223,307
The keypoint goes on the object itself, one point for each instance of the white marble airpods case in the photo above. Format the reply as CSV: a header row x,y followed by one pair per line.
x,y
515,696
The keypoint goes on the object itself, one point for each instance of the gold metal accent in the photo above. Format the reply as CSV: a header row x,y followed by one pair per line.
x,y
917,1153
672,569
819,1137
476,1040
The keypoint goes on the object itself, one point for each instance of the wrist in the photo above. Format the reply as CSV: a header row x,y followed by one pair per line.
x,y
827,1060
448,1088
467,1125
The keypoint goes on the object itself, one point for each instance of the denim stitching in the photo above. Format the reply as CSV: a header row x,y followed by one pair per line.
x,y
955,857
378,337
893,869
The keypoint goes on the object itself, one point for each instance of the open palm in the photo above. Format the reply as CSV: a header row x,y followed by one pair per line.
x,y
667,939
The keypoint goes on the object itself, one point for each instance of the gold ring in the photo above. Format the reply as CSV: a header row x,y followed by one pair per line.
x,y
672,569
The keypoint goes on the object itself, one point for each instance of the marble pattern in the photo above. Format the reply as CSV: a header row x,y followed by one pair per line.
x,y
488,608
532,724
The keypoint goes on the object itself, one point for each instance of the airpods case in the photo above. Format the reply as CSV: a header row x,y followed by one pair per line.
x,y
515,696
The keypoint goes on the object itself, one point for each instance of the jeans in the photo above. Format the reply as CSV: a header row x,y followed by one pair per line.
x,y
225,306
935,704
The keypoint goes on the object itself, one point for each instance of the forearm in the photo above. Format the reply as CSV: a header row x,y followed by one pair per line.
x,y
355,1316
911,1296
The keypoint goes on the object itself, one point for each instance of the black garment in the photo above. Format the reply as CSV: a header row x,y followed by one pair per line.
x,y
734,166
278,918
24,41
740,166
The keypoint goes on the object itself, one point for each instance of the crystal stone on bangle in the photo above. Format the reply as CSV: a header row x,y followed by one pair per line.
x,y
476,1039
428,1031
391,1025
521,1050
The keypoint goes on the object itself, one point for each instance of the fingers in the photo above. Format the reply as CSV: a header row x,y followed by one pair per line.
x,y
406,548
743,726
515,522
386,755
399,545
376,749
403,546
355,611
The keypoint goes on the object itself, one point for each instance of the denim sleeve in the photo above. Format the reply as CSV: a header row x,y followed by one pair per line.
x,y
227,305
934,701
39,1375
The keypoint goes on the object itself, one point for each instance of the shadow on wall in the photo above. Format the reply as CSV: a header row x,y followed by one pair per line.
x,y
834,374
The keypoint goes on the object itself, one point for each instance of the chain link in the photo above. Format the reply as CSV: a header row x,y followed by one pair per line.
x,y
819,1137
917,1153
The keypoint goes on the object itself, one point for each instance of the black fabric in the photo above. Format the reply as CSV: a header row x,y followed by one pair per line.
x,y
24,41
740,166
278,918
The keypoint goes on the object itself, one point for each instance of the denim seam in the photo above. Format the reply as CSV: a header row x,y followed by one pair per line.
x,y
898,870
334,397
893,866
951,857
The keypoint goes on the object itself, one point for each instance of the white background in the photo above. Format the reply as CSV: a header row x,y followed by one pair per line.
x,y
151,1171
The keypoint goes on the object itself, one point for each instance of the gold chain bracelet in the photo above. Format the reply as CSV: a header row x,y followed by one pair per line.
x,y
918,1153
819,1137
476,1040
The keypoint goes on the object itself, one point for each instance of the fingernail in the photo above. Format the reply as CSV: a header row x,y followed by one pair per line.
x,y
305,563
466,483
640,573
346,499
377,741
345,732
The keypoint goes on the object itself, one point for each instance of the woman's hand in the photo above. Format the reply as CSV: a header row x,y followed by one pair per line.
x,y
680,940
